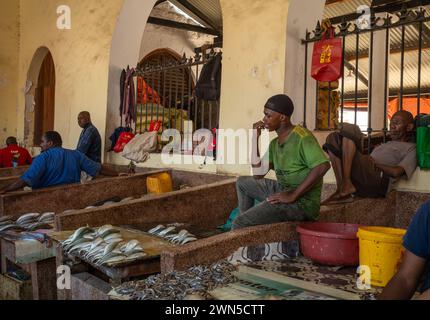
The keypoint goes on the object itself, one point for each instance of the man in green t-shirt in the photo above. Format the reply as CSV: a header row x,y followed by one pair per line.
x,y
299,163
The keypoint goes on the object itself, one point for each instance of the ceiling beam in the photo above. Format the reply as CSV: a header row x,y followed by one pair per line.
x,y
329,2
360,76
187,5
182,26
159,2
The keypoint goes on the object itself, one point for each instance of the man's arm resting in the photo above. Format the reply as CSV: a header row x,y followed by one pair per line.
x,y
313,177
14,186
404,283
392,171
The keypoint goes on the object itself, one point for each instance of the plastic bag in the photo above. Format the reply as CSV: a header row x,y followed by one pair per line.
x,y
124,138
327,59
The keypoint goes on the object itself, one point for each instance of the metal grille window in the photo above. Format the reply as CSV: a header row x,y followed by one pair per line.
x,y
168,82
406,65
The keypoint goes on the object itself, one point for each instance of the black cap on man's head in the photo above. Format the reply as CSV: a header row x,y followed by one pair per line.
x,y
281,103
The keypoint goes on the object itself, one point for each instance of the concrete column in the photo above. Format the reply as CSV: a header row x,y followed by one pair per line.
x,y
125,50
378,79
302,15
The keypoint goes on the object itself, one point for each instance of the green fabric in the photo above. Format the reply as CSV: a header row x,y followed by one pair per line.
x,y
423,147
233,215
294,160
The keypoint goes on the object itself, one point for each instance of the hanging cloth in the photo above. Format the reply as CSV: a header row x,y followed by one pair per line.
x,y
208,86
129,110
121,89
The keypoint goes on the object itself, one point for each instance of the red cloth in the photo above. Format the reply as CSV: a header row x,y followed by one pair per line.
x,y
145,93
13,151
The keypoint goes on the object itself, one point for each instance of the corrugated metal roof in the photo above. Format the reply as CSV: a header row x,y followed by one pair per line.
x,y
344,7
410,71
211,8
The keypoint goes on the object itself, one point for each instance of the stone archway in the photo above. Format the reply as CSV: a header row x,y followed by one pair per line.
x,y
39,97
125,50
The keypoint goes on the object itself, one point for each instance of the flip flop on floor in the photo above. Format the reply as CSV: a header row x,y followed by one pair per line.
x,y
330,199
342,199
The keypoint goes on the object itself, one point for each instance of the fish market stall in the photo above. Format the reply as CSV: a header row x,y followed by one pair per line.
x,y
111,256
28,255
10,172
206,201
23,245
73,196
184,209
5,181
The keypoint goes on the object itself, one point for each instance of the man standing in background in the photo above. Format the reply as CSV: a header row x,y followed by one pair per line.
x,y
90,143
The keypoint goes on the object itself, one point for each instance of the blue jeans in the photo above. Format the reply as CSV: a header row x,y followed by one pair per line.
x,y
250,189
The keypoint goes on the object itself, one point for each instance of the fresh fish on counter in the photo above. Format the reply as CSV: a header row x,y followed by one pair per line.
x,y
182,237
102,246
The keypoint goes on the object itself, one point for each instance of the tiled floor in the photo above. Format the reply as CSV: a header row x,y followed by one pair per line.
x,y
343,278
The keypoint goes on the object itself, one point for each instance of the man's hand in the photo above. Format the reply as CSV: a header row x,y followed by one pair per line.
x,y
282,197
258,126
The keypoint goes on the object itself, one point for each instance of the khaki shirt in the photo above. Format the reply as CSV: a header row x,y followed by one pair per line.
x,y
397,153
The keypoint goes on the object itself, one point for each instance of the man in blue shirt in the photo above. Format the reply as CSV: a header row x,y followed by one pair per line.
x,y
57,166
416,261
90,143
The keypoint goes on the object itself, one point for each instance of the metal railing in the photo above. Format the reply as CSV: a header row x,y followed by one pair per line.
x,y
177,105
410,33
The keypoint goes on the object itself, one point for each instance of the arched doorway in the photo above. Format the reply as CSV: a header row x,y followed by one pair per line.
x,y
44,99
175,77
40,97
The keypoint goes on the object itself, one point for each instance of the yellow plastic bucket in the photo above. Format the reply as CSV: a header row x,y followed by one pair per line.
x,y
382,251
159,183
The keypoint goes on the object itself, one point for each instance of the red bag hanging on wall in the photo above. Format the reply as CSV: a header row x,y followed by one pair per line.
x,y
327,59
124,138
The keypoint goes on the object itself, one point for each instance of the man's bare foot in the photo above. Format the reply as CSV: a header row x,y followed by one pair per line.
x,y
347,189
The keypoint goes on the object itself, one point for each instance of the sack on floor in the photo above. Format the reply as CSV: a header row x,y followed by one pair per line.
x,y
138,149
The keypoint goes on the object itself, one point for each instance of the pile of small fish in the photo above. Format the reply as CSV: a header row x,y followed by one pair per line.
x,y
182,237
102,246
27,222
177,285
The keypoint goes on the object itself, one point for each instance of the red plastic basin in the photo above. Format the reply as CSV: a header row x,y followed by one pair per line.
x,y
334,244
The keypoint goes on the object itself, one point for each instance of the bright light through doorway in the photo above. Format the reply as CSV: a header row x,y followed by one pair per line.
x,y
179,11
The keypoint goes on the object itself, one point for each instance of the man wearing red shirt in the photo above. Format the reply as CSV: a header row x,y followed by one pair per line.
x,y
13,155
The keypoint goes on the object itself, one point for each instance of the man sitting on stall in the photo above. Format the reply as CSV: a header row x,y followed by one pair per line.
x,y
13,155
57,166
299,163
370,176
416,261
